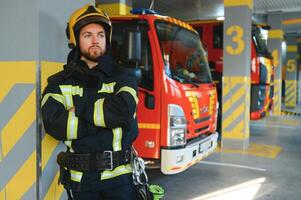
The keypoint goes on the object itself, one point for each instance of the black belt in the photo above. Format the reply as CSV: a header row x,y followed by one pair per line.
x,y
107,160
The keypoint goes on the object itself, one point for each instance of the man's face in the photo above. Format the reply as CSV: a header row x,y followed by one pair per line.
x,y
92,42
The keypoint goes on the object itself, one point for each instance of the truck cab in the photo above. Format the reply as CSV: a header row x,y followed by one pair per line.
x,y
262,72
177,109
261,67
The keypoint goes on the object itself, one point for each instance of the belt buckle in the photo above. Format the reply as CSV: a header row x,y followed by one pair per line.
x,y
109,154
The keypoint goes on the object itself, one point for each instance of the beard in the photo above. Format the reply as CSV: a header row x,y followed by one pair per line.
x,y
93,53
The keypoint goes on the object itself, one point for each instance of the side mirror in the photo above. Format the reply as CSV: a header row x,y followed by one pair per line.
x,y
133,46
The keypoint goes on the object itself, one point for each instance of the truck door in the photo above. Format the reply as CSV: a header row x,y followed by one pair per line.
x,y
148,113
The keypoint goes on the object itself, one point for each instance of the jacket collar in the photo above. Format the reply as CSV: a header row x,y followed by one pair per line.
x,y
106,63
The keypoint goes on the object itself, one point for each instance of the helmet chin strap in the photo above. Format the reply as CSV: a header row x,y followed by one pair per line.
x,y
73,58
73,55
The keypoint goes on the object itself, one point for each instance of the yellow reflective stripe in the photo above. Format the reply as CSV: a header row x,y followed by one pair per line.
x,y
76,175
129,90
76,90
57,97
98,113
72,126
68,143
66,89
67,92
117,136
107,88
69,101
155,126
122,169
71,90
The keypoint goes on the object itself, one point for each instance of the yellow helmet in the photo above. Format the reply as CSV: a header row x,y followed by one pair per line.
x,y
86,15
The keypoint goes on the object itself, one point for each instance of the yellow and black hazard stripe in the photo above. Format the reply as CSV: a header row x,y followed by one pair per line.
x,y
291,113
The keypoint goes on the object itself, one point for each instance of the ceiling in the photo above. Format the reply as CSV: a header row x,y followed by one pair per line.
x,y
262,6
210,9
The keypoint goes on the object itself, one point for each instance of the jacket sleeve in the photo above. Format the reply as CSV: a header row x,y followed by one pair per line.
x,y
58,121
116,110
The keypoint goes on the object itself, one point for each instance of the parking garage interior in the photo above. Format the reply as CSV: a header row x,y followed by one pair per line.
x,y
254,120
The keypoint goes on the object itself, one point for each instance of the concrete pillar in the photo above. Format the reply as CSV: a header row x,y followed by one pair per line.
x,y
236,80
18,63
115,7
291,72
275,38
299,69
33,45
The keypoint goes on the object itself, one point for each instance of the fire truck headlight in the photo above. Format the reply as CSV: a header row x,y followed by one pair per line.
x,y
177,137
176,125
177,121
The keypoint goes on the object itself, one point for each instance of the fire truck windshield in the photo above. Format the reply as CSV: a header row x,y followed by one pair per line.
x,y
260,43
184,57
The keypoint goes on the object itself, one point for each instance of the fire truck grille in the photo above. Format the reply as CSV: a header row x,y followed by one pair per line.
x,y
199,120
198,138
201,129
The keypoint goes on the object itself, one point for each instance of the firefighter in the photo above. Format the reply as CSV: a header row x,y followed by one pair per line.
x,y
91,106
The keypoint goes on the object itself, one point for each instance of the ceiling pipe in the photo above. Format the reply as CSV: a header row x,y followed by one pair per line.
x,y
152,5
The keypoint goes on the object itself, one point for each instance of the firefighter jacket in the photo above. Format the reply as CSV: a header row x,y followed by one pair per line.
x,y
105,102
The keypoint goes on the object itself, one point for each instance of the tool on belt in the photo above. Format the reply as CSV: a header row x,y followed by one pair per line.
x,y
144,190
107,160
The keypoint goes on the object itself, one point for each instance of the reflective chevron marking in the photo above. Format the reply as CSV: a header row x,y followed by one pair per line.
x,y
236,98
290,93
17,130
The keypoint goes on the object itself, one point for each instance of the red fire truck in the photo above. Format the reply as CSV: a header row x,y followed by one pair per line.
x,y
177,110
262,70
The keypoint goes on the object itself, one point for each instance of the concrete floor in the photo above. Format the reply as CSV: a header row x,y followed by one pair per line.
x,y
269,170
297,109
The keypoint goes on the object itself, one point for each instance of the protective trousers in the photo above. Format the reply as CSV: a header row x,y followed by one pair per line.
x,y
121,192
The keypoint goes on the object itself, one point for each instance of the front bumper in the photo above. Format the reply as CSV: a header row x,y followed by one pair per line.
x,y
177,160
